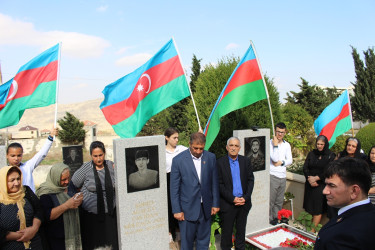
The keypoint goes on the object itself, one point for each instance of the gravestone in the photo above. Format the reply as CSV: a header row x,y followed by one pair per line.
x,y
141,193
3,159
73,157
255,144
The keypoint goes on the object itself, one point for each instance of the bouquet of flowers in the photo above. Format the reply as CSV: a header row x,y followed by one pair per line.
x,y
284,213
296,243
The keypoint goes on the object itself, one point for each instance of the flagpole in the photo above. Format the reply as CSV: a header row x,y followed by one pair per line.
x,y
350,108
265,86
57,84
191,93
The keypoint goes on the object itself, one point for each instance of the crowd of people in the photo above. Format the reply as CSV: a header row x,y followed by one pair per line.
x,y
79,211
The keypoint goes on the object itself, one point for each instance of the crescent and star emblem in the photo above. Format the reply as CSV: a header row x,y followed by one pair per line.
x,y
140,86
15,89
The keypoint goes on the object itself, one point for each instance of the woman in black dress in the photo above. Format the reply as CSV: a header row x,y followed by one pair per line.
x,y
371,163
352,149
19,223
316,163
60,209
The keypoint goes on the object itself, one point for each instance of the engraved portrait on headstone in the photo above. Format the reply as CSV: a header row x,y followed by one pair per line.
x,y
142,168
254,149
73,157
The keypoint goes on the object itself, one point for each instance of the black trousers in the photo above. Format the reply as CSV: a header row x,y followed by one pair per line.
x,y
172,222
236,215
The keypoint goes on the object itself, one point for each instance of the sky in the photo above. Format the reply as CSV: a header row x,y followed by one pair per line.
x,y
103,41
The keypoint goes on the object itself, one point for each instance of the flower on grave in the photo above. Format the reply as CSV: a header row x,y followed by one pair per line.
x,y
284,213
295,243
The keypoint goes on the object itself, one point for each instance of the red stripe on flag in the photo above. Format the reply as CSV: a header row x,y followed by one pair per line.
x,y
246,73
329,129
160,75
30,79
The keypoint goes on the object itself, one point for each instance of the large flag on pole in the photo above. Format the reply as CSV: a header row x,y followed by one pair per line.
x,y
335,119
244,87
133,99
33,86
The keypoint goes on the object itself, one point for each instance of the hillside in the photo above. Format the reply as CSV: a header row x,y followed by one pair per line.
x,y
43,118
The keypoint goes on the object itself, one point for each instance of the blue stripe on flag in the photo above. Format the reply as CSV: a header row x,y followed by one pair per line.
x,y
331,112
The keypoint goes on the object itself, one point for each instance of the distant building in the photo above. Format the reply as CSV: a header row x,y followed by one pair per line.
x,y
91,129
350,89
45,132
27,132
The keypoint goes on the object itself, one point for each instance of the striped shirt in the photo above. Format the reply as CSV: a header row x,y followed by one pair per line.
x,y
84,179
372,196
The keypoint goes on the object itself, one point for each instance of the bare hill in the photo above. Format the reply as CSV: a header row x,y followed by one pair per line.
x,y
43,118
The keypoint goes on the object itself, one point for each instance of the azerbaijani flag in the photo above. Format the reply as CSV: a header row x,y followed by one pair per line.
x,y
133,99
244,87
335,119
33,86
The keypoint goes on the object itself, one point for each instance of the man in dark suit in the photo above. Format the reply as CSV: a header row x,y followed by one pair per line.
x,y
348,181
236,183
194,193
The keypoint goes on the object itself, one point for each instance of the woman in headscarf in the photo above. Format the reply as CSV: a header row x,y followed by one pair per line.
x,y
316,163
96,179
60,209
352,149
19,223
371,163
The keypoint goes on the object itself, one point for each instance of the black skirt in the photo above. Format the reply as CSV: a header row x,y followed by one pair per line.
x,y
314,201
97,232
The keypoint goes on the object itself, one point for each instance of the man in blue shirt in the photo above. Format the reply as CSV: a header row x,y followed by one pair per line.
x,y
236,183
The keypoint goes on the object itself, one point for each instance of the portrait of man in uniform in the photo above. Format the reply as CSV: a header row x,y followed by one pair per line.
x,y
254,149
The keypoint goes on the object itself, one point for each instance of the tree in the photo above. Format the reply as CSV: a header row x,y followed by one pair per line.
x,y
196,70
72,131
299,124
312,98
364,87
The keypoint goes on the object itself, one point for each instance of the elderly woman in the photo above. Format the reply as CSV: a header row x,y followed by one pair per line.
x,y
316,163
19,223
96,180
60,209
352,149
371,163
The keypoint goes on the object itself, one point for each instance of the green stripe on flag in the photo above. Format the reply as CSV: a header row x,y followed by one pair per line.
x,y
236,99
44,95
153,103
342,126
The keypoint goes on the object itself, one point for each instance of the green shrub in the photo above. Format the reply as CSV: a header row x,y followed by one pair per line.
x,y
367,136
296,167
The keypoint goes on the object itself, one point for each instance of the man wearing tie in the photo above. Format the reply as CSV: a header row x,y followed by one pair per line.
x,y
348,181
194,193
236,182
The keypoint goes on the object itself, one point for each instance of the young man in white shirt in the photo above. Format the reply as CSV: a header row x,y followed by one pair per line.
x,y
15,154
281,157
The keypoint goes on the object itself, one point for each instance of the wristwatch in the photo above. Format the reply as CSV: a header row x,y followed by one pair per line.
x,y
283,163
